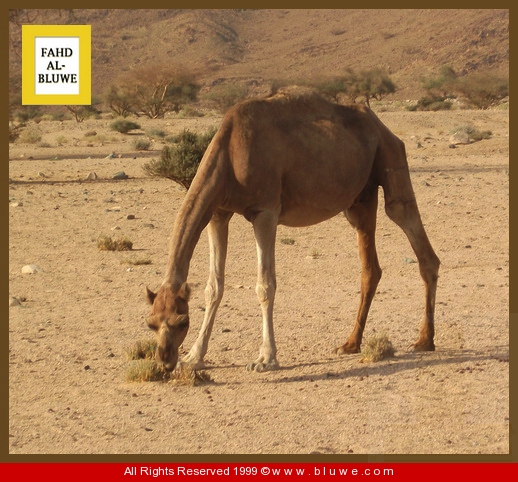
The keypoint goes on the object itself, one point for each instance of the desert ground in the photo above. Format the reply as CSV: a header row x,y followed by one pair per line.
x,y
83,308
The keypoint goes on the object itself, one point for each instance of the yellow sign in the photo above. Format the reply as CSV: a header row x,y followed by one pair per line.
x,y
56,65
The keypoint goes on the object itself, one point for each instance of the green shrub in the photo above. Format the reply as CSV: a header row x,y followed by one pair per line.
x,y
124,126
179,162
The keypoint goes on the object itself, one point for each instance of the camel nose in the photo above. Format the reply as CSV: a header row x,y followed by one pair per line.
x,y
166,357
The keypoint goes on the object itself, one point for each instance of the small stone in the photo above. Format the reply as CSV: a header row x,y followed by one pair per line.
x,y
30,269
460,137
120,175
116,228
14,301
130,216
92,176
16,204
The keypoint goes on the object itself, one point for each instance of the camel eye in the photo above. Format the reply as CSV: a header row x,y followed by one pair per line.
x,y
152,327
183,322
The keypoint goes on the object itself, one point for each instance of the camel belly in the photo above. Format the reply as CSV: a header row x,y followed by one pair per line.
x,y
302,216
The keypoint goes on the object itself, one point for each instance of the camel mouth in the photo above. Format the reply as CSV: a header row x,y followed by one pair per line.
x,y
168,367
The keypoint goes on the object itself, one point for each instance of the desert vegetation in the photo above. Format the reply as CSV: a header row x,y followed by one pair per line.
x,y
179,161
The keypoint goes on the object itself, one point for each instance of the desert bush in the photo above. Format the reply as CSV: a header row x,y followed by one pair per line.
x,y
431,104
29,137
156,133
106,243
141,144
123,126
179,162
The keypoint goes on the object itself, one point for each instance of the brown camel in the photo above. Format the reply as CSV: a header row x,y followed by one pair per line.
x,y
292,159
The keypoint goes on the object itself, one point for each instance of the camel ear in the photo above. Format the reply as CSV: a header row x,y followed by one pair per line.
x,y
150,296
185,292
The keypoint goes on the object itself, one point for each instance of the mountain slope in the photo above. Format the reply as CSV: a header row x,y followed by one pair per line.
x,y
260,45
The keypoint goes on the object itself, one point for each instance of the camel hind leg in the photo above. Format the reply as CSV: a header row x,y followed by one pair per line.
x,y
362,216
401,207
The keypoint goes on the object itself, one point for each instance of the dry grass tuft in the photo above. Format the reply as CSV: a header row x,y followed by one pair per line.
x,y
144,368
377,348
106,243
137,261
186,375
142,349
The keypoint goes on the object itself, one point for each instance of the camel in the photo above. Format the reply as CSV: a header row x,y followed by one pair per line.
x,y
293,159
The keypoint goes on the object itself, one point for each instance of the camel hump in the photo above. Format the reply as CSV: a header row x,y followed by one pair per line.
x,y
296,92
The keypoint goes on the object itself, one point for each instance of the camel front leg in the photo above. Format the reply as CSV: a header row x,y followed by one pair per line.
x,y
218,242
265,229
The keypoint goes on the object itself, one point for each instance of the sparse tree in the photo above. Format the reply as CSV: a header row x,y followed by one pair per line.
x,y
225,96
119,100
483,90
157,89
365,85
82,112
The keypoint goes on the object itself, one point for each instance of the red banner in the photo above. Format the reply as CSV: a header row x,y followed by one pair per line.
x,y
392,471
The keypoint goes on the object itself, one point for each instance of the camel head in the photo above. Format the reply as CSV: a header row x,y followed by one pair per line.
x,y
169,319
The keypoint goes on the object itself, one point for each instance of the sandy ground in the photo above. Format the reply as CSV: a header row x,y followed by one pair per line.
x,y
85,308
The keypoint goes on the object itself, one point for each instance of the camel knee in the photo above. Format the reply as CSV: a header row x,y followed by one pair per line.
x,y
214,291
429,269
399,210
371,278
265,292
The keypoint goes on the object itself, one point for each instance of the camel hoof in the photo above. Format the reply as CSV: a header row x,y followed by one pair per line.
x,y
347,349
260,367
192,363
424,346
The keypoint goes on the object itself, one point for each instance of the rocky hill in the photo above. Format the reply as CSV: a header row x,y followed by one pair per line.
x,y
256,46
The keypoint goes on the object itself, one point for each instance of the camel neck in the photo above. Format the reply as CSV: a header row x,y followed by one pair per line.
x,y
194,215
